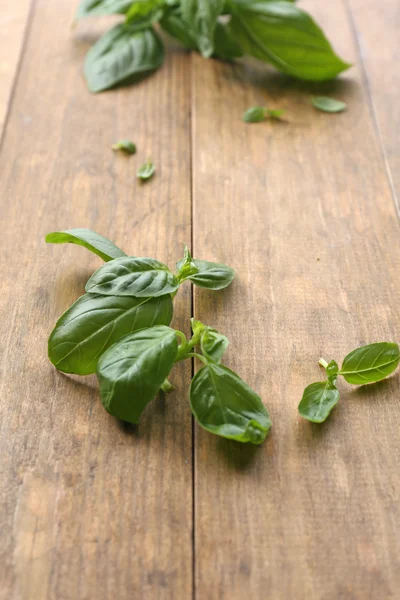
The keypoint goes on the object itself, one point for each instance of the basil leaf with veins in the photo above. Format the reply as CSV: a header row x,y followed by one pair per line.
x,y
130,276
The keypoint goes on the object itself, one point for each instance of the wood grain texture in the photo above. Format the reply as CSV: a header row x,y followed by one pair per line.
x,y
303,211
376,28
14,16
90,509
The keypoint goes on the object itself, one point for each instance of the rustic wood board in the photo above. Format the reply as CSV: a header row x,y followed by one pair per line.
x,y
376,28
13,19
304,212
89,509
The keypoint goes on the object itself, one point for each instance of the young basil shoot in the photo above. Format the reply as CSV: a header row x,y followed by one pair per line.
x,y
125,146
120,330
328,105
367,364
146,171
276,32
256,114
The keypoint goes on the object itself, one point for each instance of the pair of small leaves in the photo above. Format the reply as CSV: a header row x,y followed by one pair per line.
x,y
203,273
142,277
257,114
133,370
368,364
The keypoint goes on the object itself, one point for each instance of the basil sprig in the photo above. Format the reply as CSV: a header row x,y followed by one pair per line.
x,y
126,294
120,330
135,368
367,364
273,31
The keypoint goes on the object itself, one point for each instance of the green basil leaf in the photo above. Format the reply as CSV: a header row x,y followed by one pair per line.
x,y
225,405
130,276
146,171
225,46
201,17
213,344
122,54
255,114
95,322
328,104
89,239
125,146
282,34
212,276
371,363
102,7
318,400
173,24
132,371
151,10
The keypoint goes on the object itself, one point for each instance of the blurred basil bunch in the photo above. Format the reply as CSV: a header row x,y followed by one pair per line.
x,y
276,32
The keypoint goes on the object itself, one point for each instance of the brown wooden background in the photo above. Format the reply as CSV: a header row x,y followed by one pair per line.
x,y
307,214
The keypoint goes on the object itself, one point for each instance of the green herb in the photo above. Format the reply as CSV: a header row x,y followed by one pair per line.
x,y
135,368
119,329
91,240
328,104
367,364
89,8
256,114
275,113
285,36
125,146
276,32
146,171
122,55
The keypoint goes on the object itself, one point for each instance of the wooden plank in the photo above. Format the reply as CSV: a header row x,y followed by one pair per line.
x,y
303,211
13,19
90,509
376,27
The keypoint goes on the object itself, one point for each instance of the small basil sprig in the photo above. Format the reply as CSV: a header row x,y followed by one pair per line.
x,y
125,295
146,171
276,32
257,114
125,146
135,368
203,273
367,364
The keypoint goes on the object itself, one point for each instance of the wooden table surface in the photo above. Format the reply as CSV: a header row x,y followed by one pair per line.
x,y
307,214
